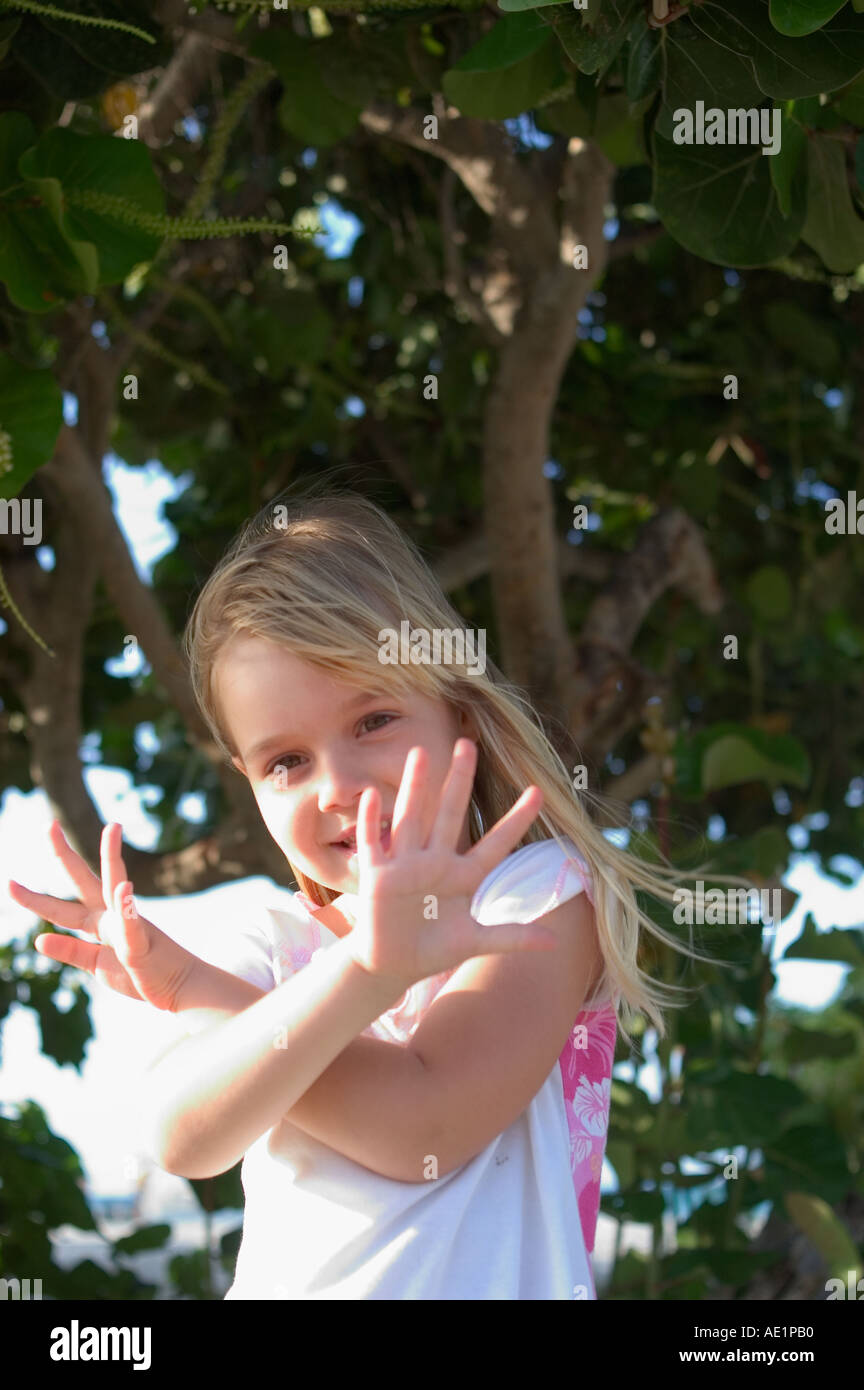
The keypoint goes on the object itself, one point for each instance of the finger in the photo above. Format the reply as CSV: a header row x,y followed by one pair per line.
x,y
406,829
108,852
69,950
455,796
87,883
83,955
369,852
131,942
56,910
118,868
506,833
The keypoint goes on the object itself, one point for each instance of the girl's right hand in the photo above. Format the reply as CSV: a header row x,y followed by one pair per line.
x,y
422,868
133,956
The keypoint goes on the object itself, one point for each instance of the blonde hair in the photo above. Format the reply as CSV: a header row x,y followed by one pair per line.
x,y
323,575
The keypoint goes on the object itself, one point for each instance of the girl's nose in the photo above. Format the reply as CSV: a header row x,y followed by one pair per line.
x,y
340,789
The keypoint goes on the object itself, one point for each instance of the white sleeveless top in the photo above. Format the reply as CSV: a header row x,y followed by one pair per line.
x,y
517,1221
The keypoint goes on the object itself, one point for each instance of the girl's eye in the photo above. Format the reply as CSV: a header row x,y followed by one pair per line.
x,y
388,717
284,758
281,761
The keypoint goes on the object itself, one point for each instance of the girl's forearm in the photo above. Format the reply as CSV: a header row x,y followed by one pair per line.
x,y
211,995
214,1094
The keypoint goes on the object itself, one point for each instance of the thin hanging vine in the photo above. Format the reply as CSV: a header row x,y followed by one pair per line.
x,y
119,209
99,21
8,602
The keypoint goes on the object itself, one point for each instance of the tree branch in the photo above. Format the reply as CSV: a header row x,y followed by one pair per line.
x,y
467,561
175,92
454,273
88,500
480,153
58,605
609,689
635,782
50,688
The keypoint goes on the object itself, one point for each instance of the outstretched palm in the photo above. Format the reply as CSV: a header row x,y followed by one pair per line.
x,y
415,898
132,956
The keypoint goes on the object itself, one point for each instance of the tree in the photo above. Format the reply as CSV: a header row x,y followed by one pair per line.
x,y
543,270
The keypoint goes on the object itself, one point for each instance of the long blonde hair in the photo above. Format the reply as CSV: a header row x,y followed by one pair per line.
x,y
323,575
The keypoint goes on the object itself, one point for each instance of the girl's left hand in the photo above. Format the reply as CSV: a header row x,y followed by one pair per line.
x,y
129,953
414,912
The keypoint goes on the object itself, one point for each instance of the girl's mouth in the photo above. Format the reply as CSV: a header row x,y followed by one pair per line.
x,y
349,847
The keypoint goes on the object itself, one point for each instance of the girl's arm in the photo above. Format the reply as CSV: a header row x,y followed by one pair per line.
x,y
481,1053
350,1107
213,1095
211,996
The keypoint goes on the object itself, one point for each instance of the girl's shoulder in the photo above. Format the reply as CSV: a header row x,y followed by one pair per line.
x,y
532,881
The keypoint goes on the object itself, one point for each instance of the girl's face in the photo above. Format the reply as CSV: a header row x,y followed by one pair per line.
x,y
310,746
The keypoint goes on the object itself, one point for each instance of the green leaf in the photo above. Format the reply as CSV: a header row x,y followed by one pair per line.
x,y
813,114
825,1230
846,945
796,17
770,593
766,853
725,1107
310,109
633,1206
344,78
508,42
313,116
644,61
38,264
727,753
695,69
611,127
145,1238
17,134
849,103
49,193
846,636
785,67
224,1190
720,203
113,50
806,1158
102,164
31,413
513,67
788,161
63,1035
832,227
622,1158
754,756
7,33
62,72
593,48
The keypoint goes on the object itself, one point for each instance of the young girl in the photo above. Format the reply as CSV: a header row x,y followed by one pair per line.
x,y
415,1060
